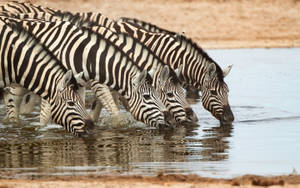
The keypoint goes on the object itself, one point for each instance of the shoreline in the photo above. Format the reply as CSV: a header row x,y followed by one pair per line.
x,y
161,180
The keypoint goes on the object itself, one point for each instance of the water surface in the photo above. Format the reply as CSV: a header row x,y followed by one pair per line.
x,y
264,139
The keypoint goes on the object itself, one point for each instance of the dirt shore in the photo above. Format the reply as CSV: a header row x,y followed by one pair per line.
x,y
174,181
212,24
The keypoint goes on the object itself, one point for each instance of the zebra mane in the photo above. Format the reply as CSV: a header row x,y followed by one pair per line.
x,y
33,41
74,19
179,37
183,39
146,25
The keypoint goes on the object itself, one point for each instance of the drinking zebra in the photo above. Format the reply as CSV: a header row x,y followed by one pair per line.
x,y
199,70
81,49
167,84
25,62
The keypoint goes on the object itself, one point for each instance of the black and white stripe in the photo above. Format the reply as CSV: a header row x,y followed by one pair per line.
x,y
199,70
80,49
179,50
27,63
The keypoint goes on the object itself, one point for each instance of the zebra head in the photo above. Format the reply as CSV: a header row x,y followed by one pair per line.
x,y
145,104
215,94
67,108
172,95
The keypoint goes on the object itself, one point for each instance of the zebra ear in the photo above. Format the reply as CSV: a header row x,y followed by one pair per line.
x,y
80,79
67,78
227,70
210,71
140,78
164,74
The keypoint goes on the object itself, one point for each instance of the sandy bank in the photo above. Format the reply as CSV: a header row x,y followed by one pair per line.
x,y
174,181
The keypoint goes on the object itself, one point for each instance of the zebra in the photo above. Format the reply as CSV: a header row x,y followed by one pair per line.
x,y
81,49
102,91
26,62
199,70
170,90
191,91
16,9
169,87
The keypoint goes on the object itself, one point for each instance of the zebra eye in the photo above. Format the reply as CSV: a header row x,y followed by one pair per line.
x,y
71,103
146,96
213,92
170,94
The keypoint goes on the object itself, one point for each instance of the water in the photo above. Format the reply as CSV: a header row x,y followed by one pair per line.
x,y
264,139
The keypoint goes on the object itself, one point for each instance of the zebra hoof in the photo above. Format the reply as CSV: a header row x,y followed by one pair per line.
x,y
8,120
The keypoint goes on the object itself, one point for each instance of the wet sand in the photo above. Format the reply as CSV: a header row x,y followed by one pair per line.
x,y
212,24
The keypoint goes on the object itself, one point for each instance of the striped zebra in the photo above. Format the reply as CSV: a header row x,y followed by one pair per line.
x,y
166,80
199,70
170,91
102,91
16,9
191,91
81,49
25,62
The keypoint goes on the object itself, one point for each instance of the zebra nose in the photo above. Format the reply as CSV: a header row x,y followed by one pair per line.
x,y
228,117
190,114
169,118
89,125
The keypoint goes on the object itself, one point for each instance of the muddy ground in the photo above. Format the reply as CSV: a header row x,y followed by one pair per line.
x,y
212,24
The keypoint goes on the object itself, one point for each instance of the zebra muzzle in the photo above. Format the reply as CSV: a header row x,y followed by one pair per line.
x,y
169,120
191,116
89,125
227,116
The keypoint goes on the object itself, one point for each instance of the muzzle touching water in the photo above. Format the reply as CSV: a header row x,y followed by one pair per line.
x,y
88,127
227,116
169,120
191,116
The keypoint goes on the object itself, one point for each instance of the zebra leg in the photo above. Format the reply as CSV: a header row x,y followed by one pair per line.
x,y
96,110
28,102
104,95
97,106
124,103
45,113
13,98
